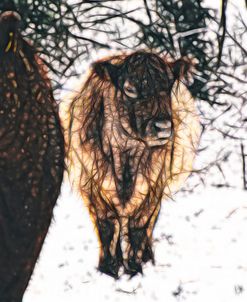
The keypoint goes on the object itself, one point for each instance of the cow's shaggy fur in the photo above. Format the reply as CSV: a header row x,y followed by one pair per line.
x,y
31,158
131,132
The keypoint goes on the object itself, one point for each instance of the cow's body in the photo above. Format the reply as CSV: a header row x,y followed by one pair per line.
x,y
120,176
31,161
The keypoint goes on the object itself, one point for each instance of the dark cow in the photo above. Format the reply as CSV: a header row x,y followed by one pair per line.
x,y
132,133
31,158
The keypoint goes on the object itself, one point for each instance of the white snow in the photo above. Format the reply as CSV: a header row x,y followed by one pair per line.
x,y
200,250
200,246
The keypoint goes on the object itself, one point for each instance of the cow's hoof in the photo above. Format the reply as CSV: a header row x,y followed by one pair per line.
x,y
109,266
133,268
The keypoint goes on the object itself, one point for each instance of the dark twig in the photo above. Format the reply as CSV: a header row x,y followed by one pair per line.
x,y
223,25
243,155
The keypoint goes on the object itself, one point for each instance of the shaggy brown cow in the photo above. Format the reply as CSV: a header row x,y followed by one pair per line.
x,y
132,133
31,158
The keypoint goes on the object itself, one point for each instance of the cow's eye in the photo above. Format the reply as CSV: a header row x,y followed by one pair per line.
x,y
130,90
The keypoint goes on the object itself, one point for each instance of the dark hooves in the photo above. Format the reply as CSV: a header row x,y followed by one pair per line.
x,y
110,267
133,268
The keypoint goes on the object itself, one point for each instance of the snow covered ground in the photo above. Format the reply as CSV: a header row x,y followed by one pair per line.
x,y
200,249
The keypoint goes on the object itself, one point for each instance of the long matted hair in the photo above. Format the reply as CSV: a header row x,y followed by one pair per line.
x,y
121,161
31,157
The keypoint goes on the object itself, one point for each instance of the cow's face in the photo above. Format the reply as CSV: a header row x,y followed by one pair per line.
x,y
144,83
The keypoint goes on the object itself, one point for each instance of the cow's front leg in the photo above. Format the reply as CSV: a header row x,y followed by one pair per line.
x,y
110,251
133,240
130,267
108,229
140,230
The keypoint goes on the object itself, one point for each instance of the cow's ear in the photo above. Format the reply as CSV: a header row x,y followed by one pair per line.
x,y
182,68
107,71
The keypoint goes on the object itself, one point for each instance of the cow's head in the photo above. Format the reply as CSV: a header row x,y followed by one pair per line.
x,y
144,82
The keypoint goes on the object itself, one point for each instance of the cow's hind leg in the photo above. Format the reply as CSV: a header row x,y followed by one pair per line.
x,y
148,254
